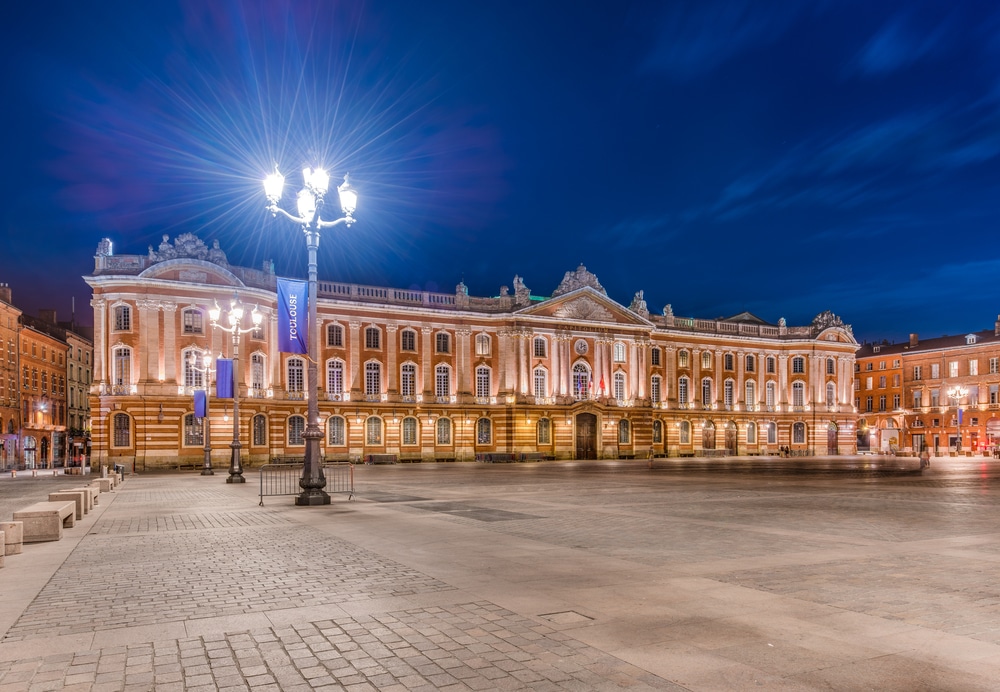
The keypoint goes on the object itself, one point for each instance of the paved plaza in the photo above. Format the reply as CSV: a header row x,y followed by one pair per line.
x,y
820,574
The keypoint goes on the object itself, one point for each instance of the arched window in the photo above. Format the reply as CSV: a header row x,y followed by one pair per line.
x,y
296,426
654,389
483,387
706,391
408,431
484,431
442,342
769,395
540,347
407,340
770,365
751,433
123,318
619,352
259,427
706,360
682,359
443,430
258,373
751,394
442,381
408,381
772,433
619,385
581,381
373,378
192,321
121,430
798,433
624,432
543,431
194,376
373,337
336,431
798,365
482,344
657,432
335,379
728,361
831,366
295,368
727,393
193,431
798,394
685,432
540,379
751,363
831,393
373,430
682,391
334,335
121,367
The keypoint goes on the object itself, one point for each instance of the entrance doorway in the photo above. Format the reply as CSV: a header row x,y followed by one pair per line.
x,y
586,436
831,438
708,435
731,438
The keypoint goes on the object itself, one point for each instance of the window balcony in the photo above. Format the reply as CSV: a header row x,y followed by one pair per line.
x,y
295,396
123,389
335,396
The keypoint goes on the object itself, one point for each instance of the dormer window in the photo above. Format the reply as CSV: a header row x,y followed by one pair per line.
x,y
970,339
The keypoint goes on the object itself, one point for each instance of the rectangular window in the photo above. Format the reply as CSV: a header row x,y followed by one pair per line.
x,y
994,394
935,397
482,383
917,371
409,431
544,432
123,319
373,379
682,391
372,338
334,335
994,366
868,383
881,382
895,380
442,342
935,371
918,399
973,366
953,368
408,340
728,361
868,404
337,432
770,365
408,380
654,356
540,382
654,390
539,347
881,403
881,365
193,322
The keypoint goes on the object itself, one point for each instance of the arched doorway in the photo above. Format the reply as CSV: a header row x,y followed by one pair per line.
x,y
831,438
708,435
586,436
731,439
43,457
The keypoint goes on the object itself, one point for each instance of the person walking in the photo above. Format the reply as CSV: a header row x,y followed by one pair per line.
x,y
925,457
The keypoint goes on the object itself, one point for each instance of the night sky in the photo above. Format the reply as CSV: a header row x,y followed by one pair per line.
x,y
784,158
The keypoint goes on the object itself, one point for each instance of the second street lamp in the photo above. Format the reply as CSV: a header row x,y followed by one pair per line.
x,y
958,393
235,328
310,204
206,426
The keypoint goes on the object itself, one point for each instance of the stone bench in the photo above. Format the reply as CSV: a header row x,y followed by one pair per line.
x,y
91,496
78,497
44,521
105,485
13,537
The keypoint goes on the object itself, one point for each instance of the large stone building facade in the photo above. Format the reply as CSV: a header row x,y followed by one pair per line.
x,y
434,376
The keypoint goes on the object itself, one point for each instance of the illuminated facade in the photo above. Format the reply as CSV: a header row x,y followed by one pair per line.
x,y
10,407
434,376
43,393
927,381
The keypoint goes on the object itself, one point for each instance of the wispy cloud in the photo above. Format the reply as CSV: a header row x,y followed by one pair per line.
x,y
898,44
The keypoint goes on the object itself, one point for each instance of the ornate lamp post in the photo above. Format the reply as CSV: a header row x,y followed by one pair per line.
x,y
310,204
235,319
206,370
958,393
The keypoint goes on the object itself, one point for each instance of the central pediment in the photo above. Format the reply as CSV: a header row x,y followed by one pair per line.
x,y
585,305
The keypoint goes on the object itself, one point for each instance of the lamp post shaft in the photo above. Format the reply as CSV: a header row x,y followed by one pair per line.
x,y
313,480
235,463
206,469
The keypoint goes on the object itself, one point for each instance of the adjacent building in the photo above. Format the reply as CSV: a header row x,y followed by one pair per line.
x,y
10,399
449,376
43,393
942,393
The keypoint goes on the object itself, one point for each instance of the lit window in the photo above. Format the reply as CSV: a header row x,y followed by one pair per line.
x,y
798,394
619,385
685,432
121,426
682,359
654,389
544,431
408,380
336,431
373,430
484,431
409,431
193,431
751,433
482,344
123,319
296,426
442,342
373,337
444,431
619,352
334,335
539,347
373,378
335,378
295,369
483,388
540,382
193,321
408,340
442,381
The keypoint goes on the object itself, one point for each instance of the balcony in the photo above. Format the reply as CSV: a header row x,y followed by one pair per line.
x,y
335,396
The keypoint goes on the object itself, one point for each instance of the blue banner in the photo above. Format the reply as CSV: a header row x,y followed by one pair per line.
x,y
293,320
224,378
199,403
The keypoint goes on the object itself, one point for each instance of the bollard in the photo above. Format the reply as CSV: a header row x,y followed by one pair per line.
x,y
34,473
13,473
13,536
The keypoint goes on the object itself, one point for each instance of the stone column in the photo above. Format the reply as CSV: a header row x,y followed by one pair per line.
x,y
670,379
523,361
391,349
100,340
463,357
782,381
149,341
169,341
740,393
272,349
354,383
427,355
694,393
718,382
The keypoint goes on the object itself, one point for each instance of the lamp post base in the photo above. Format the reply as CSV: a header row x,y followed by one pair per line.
x,y
235,465
312,497
207,472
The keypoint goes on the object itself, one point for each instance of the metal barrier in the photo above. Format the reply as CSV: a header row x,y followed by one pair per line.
x,y
283,479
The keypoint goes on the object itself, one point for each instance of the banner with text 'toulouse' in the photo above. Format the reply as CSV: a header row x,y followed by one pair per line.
x,y
293,320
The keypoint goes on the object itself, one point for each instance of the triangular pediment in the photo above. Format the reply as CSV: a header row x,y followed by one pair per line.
x,y
585,305
746,318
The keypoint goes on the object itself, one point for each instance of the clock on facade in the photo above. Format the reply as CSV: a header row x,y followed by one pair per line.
x,y
581,346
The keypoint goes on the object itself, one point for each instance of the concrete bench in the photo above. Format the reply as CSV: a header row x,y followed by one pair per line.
x,y
91,496
13,537
44,521
78,497
380,458
106,485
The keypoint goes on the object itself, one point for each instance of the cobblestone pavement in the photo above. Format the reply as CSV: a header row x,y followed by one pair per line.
x,y
833,574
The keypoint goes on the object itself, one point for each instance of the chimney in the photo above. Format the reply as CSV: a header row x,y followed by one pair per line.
x,y
913,337
5,296
996,325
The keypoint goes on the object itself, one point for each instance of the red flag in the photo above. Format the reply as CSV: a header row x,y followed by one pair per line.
x,y
602,384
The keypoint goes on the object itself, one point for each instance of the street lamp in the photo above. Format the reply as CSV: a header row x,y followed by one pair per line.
x,y
309,204
206,370
958,393
235,319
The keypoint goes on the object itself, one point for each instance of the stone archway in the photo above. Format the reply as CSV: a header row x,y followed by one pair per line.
x,y
708,435
831,438
732,439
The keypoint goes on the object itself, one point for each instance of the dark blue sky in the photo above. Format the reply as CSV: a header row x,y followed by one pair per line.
x,y
780,157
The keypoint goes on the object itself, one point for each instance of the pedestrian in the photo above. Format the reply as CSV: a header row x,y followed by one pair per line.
x,y
925,457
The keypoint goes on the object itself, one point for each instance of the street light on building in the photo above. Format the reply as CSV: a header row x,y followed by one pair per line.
x,y
310,204
206,370
958,393
235,328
